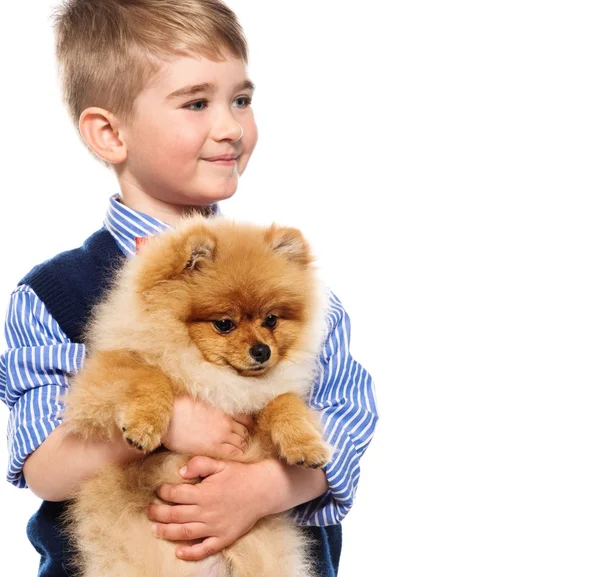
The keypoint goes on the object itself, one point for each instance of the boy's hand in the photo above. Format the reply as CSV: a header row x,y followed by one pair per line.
x,y
222,508
197,428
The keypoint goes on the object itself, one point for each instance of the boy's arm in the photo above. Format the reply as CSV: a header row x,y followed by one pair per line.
x,y
345,397
33,376
58,466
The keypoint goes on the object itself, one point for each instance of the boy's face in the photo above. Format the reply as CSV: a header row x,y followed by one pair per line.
x,y
191,135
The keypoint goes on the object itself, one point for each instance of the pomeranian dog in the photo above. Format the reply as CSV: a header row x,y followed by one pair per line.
x,y
229,313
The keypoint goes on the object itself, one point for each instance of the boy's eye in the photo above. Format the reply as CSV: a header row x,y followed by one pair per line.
x,y
224,326
196,106
242,102
270,322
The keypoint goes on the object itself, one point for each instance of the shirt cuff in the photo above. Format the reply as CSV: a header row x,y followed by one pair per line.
x,y
27,431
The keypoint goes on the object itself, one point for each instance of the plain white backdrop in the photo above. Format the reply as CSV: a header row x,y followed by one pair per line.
x,y
443,159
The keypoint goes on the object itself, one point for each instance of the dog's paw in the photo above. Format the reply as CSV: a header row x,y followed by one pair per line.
x,y
143,435
307,450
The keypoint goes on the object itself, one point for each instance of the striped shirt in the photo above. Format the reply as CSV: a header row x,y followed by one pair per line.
x,y
34,369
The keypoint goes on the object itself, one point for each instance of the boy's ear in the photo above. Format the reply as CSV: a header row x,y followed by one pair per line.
x,y
100,130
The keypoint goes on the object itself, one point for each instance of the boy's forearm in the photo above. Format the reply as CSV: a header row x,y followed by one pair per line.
x,y
287,486
55,470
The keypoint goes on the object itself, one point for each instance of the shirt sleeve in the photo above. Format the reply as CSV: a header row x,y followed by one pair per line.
x,y
345,397
33,375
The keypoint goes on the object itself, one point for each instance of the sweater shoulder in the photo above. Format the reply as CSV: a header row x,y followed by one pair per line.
x,y
73,281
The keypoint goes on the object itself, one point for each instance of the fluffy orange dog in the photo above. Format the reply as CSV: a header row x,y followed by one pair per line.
x,y
229,313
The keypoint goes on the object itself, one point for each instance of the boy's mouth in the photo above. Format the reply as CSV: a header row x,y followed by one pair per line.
x,y
223,159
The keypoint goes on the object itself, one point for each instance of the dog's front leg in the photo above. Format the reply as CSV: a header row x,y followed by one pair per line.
x,y
293,429
117,393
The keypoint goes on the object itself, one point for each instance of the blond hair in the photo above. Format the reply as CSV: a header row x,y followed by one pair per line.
x,y
108,50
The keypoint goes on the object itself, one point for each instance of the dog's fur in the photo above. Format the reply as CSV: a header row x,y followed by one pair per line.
x,y
153,338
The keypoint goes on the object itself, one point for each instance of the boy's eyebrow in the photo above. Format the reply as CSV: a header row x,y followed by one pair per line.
x,y
207,87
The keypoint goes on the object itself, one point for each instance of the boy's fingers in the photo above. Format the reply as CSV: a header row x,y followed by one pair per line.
x,y
200,467
180,493
173,513
228,451
237,441
246,420
240,430
179,531
202,550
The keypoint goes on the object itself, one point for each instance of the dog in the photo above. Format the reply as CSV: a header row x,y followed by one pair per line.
x,y
229,313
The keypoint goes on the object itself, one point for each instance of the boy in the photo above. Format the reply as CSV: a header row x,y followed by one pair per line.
x,y
160,92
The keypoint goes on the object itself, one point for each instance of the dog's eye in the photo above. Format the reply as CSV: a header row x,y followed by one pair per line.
x,y
270,322
224,326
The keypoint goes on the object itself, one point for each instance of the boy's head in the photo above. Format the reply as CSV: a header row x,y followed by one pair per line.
x,y
159,90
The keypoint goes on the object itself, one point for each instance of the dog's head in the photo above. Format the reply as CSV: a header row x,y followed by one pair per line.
x,y
243,294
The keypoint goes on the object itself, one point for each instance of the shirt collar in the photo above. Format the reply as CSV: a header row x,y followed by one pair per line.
x,y
125,224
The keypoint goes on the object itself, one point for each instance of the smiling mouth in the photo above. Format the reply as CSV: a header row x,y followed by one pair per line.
x,y
223,159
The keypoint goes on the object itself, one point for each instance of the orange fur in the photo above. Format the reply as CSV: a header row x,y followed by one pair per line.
x,y
153,338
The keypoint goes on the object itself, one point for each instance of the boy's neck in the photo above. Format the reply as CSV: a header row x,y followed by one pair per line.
x,y
167,213
140,201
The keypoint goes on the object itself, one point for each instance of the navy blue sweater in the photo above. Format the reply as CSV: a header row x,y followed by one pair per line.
x,y
70,284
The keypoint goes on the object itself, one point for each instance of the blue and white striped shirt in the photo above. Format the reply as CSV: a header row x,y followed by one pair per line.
x,y
34,369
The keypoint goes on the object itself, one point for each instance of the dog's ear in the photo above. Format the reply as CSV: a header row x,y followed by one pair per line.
x,y
290,243
201,249
169,256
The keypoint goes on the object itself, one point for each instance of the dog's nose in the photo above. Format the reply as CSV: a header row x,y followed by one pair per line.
x,y
260,352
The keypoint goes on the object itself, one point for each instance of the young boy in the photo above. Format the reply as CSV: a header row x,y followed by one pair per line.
x,y
160,93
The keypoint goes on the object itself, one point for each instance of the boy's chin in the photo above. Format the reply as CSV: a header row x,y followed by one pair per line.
x,y
204,198
218,190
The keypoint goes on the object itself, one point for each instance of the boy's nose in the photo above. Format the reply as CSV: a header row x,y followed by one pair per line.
x,y
233,132
228,128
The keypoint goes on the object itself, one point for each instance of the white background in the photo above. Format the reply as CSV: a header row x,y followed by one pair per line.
x,y
443,159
